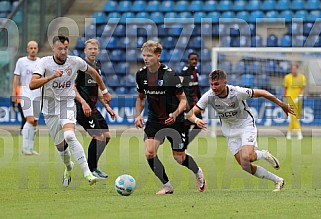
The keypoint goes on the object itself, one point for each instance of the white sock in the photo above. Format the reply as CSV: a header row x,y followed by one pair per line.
x,y
77,151
168,184
264,174
66,158
28,136
260,154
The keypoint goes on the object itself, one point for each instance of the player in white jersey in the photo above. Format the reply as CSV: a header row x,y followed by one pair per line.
x,y
57,75
29,98
238,123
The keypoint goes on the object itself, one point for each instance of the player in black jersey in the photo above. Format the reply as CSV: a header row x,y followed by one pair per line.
x,y
87,94
189,77
166,104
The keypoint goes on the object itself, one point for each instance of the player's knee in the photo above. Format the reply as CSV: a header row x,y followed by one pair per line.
x,y
69,135
150,154
252,156
179,157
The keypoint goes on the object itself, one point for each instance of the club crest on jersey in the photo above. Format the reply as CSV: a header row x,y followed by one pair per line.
x,y
231,104
68,71
160,82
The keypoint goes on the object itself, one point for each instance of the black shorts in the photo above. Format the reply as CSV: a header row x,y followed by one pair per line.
x,y
175,133
94,124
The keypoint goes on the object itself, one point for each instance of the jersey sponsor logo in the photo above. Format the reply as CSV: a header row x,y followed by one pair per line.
x,y
155,92
69,71
61,85
228,114
91,81
160,82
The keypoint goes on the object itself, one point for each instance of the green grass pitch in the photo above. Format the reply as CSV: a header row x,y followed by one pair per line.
x,y
30,187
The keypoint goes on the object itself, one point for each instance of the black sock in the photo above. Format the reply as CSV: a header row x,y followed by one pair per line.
x,y
158,168
95,149
190,163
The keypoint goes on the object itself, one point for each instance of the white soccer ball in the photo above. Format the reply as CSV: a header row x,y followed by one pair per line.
x,y
125,184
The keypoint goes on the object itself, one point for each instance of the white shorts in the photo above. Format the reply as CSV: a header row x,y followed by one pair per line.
x,y
241,137
55,125
30,102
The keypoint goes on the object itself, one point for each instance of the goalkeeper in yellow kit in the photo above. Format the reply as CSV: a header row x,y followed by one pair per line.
x,y
294,85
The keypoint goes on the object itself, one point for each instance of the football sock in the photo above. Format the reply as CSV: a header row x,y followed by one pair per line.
x,y
77,150
28,136
264,174
158,168
66,158
95,150
260,154
190,163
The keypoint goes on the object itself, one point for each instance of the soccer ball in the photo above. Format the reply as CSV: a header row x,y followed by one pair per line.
x,y
125,184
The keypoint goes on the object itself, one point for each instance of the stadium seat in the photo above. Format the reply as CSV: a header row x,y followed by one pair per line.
x,y
90,31
214,16
225,66
111,43
313,15
120,30
272,40
253,5
138,6
296,28
242,41
157,17
169,42
255,67
121,91
162,31
240,5
299,41
268,5
195,42
297,5
270,66
130,80
182,6
117,55
124,5
235,29
233,79
114,17
263,81
175,55
140,41
271,16
312,5
205,54
153,6
5,6
256,16
196,5
313,41
175,30
225,5
125,42
80,43
286,41
132,55
227,16
206,29
301,14
210,6
186,53
257,41
252,28
206,68
226,41
247,80
284,67
141,14
110,6
167,5
287,15
171,16
107,68
182,42
283,4
239,67
132,91
307,27
203,80
100,17
198,16
103,55
74,52
164,56
243,15
122,68
127,17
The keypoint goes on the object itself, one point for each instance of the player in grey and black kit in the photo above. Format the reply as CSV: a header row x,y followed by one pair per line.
x,y
166,104
87,94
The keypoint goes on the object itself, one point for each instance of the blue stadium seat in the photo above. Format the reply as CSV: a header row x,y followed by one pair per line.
x,y
125,42
206,29
296,28
247,80
268,5
297,5
141,14
112,80
175,55
5,6
210,6
117,55
132,91
198,16
312,5
270,67
122,68
139,6
214,16
257,41
286,41
114,17
151,29
240,67
127,17
223,29
162,31
186,53
313,41
196,5
252,28
233,79
313,15
132,55
255,67
140,41
307,28
243,15
167,5
4,14
283,5
287,15
256,16
110,6
263,81
100,17
225,5
182,42
225,66
301,14
130,80
182,6
228,16
272,41
221,57
80,43
74,52
172,17
235,29
153,6
186,15
242,41
195,42
284,67
121,91
271,16
240,5
253,5
205,54
203,80
206,68
108,68
124,5
103,55
90,31
175,30
120,30
299,41
132,29
157,17
169,42
164,56
226,41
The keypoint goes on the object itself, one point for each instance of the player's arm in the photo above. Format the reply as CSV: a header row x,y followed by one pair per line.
x,y
15,84
191,116
37,81
95,75
180,109
287,108
106,105
85,107
140,105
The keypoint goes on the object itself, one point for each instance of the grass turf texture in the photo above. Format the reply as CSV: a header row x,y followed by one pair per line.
x,y
30,186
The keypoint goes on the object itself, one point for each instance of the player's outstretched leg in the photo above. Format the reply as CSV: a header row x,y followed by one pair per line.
x,y
266,155
264,174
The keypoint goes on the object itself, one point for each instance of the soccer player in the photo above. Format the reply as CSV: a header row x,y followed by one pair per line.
x,y
166,103
294,86
87,93
31,110
238,123
189,78
56,75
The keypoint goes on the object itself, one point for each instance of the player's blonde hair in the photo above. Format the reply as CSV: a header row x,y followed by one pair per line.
x,y
92,41
152,46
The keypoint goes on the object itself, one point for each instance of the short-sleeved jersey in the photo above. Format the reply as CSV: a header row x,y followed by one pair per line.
x,y
232,110
24,68
59,93
88,88
189,77
161,89
294,85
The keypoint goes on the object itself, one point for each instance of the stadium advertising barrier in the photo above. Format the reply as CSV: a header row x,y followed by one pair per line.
x,y
265,112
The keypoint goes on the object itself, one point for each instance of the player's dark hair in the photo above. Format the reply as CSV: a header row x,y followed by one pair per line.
x,y
192,53
218,75
60,38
